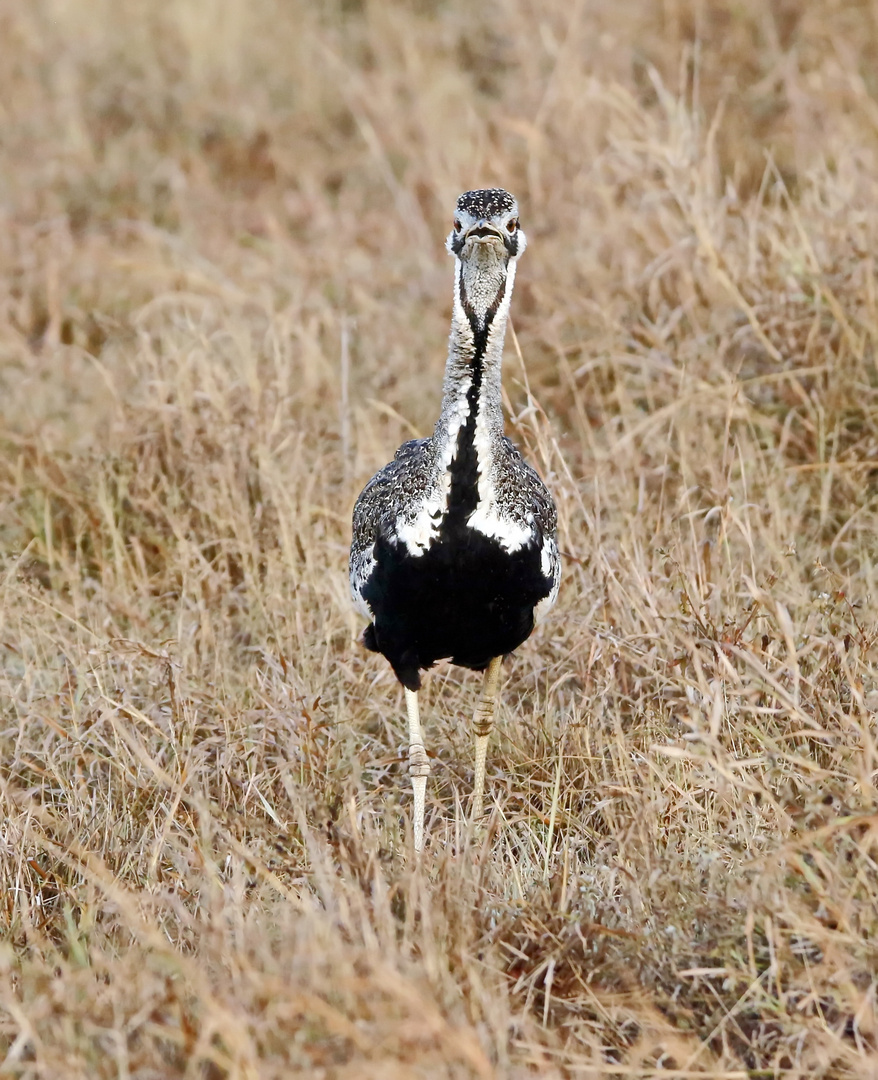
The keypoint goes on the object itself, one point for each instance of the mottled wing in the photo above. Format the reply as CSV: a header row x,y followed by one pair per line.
x,y
381,504
531,503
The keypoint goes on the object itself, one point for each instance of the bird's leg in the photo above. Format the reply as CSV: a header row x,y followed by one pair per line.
x,y
483,721
419,765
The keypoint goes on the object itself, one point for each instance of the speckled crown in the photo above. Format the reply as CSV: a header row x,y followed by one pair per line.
x,y
487,202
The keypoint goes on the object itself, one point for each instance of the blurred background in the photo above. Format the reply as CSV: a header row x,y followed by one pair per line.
x,y
224,300
307,155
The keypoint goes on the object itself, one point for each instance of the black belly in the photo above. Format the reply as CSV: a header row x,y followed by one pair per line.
x,y
467,600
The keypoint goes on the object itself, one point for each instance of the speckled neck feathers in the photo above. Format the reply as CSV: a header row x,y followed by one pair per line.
x,y
471,394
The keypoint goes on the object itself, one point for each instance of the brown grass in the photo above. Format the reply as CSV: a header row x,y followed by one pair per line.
x,y
223,303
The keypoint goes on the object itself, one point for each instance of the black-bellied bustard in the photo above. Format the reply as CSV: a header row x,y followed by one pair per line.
x,y
454,549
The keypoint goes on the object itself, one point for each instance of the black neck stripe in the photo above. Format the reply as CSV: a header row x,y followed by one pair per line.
x,y
463,497
480,328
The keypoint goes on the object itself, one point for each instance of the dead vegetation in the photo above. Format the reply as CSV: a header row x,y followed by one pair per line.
x,y
224,301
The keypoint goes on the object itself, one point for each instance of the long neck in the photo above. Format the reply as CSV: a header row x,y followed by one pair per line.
x,y
471,420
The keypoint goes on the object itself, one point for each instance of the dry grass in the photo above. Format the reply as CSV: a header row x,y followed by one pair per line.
x,y
223,302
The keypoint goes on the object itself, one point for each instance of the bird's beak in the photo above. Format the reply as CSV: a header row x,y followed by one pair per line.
x,y
483,230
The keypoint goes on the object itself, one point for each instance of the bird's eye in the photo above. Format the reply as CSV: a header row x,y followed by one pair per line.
x,y
512,225
457,224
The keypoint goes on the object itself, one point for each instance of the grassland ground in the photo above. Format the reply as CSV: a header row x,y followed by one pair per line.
x,y
223,303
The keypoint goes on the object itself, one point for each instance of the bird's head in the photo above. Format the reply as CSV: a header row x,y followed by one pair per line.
x,y
486,228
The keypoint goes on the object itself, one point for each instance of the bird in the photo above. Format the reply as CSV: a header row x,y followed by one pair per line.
x,y
454,551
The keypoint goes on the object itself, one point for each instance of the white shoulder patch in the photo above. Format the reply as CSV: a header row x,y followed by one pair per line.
x,y
418,533
488,522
